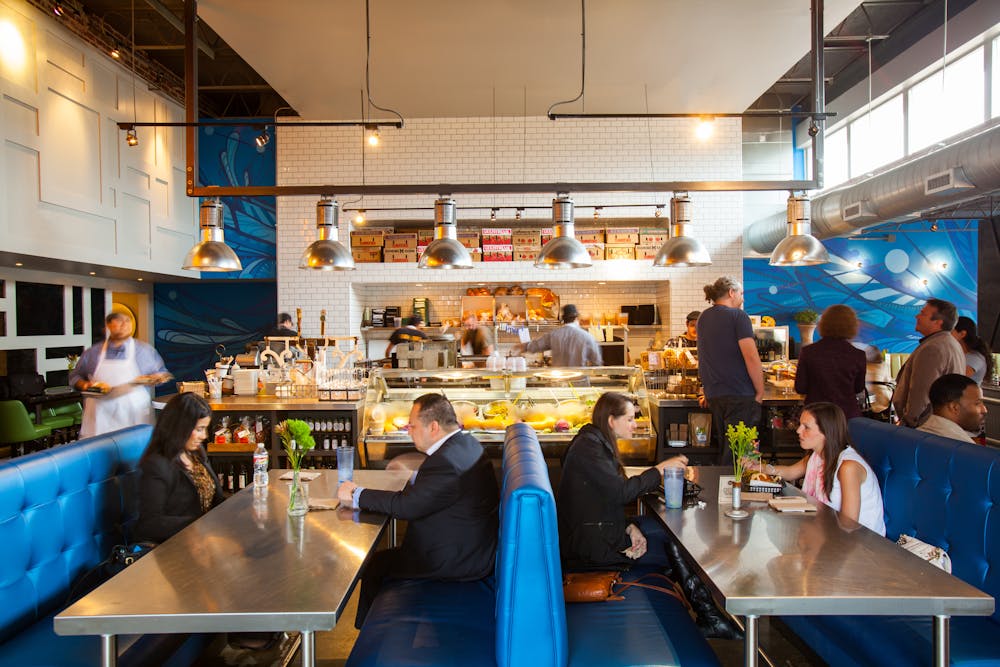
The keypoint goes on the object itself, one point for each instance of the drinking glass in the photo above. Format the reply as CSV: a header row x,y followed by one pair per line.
x,y
345,464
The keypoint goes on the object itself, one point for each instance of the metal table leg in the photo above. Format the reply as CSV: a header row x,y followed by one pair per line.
x,y
942,648
308,648
109,650
750,641
392,533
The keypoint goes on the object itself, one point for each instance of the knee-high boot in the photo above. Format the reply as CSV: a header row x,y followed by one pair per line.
x,y
712,621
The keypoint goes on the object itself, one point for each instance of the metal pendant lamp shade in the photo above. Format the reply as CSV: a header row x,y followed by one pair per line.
x,y
445,252
212,254
681,249
326,253
799,247
563,251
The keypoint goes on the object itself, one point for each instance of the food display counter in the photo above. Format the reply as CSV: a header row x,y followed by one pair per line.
x,y
556,402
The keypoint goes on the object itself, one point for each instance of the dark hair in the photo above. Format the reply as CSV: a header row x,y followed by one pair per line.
x,y
175,425
972,341
693,316
610,404
946,313
284,317
436,408
720,288
569,313
832,424
838,321
948,388
415,320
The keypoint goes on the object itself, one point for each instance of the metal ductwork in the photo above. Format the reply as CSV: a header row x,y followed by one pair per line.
x,y
964,170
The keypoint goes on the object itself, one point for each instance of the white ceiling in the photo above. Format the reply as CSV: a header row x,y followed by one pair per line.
x,y
453,58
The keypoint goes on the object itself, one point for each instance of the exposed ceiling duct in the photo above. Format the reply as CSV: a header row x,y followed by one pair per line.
x,y
966,169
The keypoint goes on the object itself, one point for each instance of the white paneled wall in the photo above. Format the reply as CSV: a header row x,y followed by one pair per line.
x,y
507,150
70,188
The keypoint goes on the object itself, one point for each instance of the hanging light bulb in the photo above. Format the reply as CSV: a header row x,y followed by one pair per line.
x,y
563,251
445,252
373,137
799,247
659,211
681,249
263,139
212,254
326,253
131,138
493,215
115,52
359,217
705,128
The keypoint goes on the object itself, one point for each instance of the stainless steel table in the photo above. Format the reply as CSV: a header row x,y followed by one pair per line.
x,y
810,564
244,566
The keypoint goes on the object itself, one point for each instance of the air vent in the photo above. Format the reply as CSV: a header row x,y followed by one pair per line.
x,y
861,210
947,182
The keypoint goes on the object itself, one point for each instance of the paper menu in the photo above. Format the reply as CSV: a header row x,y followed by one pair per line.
x,y
791,504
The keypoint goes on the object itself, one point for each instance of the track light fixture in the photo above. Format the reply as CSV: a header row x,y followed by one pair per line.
x,y
131,138
263,139
373,135
115,52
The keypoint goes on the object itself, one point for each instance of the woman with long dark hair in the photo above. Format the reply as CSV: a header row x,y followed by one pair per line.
x,y
178,484
978,356
834,472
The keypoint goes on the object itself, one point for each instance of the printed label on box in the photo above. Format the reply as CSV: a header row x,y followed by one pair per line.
x,y
393,255
366,239
622,236
469,239
400,241
498,253
619,251
496,236
596,250
526,254
367,254
587,235
424,236
647,251
527,237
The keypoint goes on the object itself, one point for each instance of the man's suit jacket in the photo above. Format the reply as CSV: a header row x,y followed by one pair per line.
x,y
451,510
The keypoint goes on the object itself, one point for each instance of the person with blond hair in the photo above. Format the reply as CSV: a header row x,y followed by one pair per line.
x,y
832,369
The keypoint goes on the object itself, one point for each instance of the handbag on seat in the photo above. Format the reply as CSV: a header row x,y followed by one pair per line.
x,y
600,587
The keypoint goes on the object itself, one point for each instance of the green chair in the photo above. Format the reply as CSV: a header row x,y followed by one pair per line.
x,y
16,427
62,425
74,410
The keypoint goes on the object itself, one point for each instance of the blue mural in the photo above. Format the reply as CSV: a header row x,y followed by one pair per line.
x,y
230,156
885,278
192,319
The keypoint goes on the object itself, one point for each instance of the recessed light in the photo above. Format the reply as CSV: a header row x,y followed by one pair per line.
x,y
18,263
93,273
139,279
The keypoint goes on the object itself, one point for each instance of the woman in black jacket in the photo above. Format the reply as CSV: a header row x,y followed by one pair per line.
x,y
594,531
178,484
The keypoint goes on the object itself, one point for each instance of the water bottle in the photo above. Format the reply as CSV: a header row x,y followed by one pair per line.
x,y
260,458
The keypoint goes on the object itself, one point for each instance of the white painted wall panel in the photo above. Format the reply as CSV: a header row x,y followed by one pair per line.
x,y
134,227
21,121
18,48
71,154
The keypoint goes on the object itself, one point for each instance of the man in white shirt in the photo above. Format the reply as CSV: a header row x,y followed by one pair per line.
x,y
958,407
571,346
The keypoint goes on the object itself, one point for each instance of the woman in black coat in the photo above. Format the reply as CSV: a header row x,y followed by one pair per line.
x,y
594,531
178,484
832,370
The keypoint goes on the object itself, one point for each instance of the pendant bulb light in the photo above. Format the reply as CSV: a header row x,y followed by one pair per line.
x,y
681,249
326,253
799,247
563,251
445,252
212,253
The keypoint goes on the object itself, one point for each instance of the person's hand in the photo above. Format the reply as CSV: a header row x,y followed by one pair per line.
x,y
750,463
345,493
638,547
759,397
680,461
702,401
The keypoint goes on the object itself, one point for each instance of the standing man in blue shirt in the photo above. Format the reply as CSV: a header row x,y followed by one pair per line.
x,y
731,374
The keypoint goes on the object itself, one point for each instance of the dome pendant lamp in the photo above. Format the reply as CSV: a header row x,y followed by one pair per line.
x,y
799,247
681,249
326,253
445,252
563,251
212,254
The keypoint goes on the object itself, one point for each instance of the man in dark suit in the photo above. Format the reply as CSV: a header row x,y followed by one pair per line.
x,y
450,506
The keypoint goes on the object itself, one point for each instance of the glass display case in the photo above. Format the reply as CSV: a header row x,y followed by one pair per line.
x,y
772,343
555,402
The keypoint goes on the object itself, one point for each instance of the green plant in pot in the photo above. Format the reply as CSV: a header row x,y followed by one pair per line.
x,y
743,443
806,320
296,438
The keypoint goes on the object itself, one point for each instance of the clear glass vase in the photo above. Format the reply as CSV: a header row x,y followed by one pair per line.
x,y
298,496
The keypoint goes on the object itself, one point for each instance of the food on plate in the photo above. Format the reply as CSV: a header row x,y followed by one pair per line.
x,y
500,291
99,388
760,478
562,426
516,290
767,321
504,314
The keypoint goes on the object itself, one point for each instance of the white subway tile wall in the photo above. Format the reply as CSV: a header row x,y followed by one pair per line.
x,y
507,150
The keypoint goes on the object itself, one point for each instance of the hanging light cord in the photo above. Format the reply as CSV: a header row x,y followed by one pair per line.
x,y
132,63
583,59
368,57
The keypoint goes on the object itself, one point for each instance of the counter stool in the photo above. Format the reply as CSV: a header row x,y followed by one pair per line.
x,y
17,429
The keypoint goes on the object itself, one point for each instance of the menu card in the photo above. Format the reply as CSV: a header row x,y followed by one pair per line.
x,y
791,504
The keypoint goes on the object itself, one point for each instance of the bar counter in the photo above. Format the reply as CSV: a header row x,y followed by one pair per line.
x,y
267,403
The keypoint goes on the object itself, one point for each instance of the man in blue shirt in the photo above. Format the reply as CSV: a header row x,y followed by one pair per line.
x,y
728,364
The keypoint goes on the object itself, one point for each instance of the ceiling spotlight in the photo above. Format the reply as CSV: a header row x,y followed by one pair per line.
x,y
705,128
564,250
131,138
359,217
799,247
445,252
517,213
326,253
59,10
934,227
597,213
93,273
115,52
681,249
493,215
263,139
212,253
658,213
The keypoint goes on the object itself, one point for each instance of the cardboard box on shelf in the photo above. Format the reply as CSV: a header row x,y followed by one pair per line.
x,y
367,255
587,235
477,254
653,236
400,241
647,251
530,238
526,254
498,253
424,236
622,236
596,250
547,234
394,255
366,239
619,251
497,236
469,239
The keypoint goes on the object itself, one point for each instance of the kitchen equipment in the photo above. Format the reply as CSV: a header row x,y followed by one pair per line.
x,y
378,317
391,313
643,314
245,382
422,308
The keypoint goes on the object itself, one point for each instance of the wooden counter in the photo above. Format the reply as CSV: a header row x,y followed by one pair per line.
x,y
267,403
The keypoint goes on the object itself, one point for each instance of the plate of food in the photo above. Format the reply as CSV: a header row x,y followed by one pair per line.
x,y
758,481
97,390
152,378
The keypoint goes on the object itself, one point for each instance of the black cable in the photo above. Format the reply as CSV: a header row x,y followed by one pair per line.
x,y
368,55
583,58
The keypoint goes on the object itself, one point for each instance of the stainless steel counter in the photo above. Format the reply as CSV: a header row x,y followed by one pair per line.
x,y
244,566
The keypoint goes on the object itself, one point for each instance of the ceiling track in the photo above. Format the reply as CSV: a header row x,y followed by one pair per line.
x,y
191,148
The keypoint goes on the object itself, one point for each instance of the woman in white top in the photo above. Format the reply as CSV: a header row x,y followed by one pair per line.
x,y
833,471
978,356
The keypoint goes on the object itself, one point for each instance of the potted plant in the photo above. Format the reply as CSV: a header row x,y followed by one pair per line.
x,y
296,437
743,444
806,319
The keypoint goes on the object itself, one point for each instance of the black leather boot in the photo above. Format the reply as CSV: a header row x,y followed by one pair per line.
x,y
712,621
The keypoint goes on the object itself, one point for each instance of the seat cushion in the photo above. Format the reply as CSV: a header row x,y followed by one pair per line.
x,y
417,622
975,640
646,628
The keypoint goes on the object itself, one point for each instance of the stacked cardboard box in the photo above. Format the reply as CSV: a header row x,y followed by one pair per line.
x,y
400,248
621,243
527,244
498,244
650,241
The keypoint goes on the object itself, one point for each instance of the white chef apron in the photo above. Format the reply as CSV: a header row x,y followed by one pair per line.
x,y
103,415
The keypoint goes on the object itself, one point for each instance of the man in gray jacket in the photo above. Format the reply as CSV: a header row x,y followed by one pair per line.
x,y
937,354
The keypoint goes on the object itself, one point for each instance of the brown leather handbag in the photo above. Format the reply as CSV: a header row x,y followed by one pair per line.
x,y
601,586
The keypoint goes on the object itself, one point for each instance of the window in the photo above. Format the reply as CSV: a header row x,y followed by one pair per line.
x,y
836,158
877,137
995,101
939,111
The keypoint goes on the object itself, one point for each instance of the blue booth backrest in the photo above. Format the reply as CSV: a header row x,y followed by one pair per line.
x,y
530,611
943,491
61,512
